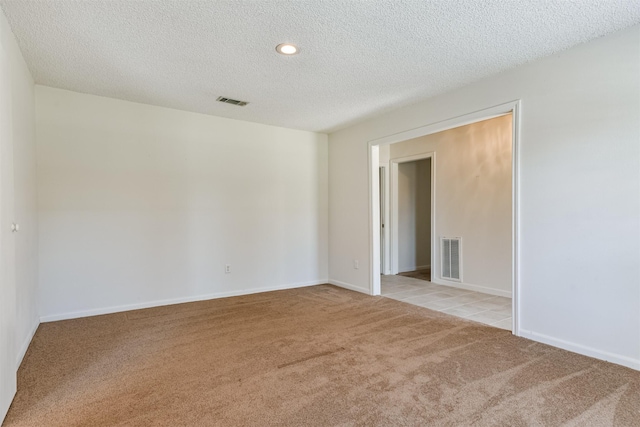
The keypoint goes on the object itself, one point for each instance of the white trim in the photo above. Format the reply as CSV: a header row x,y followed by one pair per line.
x,y
373,154
412,158
582,349
513,107
25,344
455,122
472,287
515,218
158,303
393,211
349,286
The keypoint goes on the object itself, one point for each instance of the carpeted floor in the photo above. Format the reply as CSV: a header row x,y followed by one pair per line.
x,y
418,274
313,356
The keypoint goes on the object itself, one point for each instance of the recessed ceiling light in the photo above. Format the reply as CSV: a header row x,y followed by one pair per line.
x,y
287,49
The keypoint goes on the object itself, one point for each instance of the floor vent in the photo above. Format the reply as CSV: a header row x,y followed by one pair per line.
x,y
232,101
451,256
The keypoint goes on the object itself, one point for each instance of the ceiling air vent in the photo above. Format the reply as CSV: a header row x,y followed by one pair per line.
x,y
231,101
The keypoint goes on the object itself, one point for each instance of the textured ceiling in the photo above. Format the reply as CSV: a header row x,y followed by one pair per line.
x,y
358,58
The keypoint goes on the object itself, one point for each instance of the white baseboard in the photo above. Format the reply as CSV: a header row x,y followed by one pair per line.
x,y
25,344
415,268
581,349
157,303
350,286
471,287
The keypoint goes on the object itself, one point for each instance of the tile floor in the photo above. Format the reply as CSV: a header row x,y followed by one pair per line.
x,y
483,308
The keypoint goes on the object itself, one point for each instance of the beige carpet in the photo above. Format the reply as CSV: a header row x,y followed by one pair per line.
x,y
319,356
418,274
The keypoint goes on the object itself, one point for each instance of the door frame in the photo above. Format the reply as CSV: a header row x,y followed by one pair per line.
x,y
394,215
384,217
513,107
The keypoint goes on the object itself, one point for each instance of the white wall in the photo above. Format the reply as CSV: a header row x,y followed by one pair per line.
x,y
473,199
414,215
18,280
579,192
142,205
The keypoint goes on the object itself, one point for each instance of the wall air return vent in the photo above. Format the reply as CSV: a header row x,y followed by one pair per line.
x,y
231,101
451,258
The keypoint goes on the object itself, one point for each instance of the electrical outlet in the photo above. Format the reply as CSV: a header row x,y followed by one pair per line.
x,y
227,268
356,264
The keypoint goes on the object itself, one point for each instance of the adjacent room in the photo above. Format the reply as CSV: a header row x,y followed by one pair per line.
x,y
319,213
467,269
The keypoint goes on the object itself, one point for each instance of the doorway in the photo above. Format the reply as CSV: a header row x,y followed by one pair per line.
x,y
509,293
414,219
412,203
